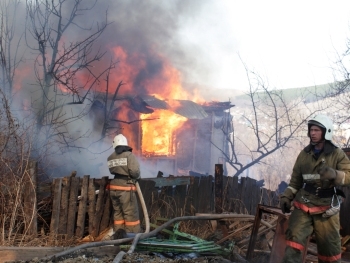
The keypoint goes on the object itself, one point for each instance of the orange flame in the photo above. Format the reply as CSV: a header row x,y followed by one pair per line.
x,y
158,128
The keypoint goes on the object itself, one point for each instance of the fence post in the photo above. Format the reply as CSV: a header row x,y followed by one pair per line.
x,y
30,202
219,171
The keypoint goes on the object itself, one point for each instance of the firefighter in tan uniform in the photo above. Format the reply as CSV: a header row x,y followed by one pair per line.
x,y
123,164
319,168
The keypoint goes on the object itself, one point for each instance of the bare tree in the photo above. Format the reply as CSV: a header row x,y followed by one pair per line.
x,y
10,56
63,65
268,124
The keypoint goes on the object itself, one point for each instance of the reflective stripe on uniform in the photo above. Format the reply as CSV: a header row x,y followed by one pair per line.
x,y
329,258
307,177
311,210
132,223
295,245
119,222
121,188
117,162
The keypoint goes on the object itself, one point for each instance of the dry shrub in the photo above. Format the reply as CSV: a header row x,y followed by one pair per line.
x,y
15,179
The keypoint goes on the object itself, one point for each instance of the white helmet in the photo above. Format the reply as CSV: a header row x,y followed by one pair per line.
x,y
119,140
323,122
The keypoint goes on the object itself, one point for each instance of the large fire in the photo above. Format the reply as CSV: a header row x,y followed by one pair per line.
x,y
158,133
158,128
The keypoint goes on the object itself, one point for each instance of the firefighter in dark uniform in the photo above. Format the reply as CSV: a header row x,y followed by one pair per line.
x,y
319,168
123,164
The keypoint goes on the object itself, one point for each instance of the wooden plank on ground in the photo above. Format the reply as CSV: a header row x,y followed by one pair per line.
x,y
72,209
57,185
79,232
91,203
63,219
99,206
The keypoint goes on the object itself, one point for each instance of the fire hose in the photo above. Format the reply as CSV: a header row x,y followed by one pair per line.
x,y
121,254
151,233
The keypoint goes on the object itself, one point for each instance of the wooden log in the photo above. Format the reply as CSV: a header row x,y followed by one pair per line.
x,y
30,200
57,185
91,203
63,218
79,232
72,209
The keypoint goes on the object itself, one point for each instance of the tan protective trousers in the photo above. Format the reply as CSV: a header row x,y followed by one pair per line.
x,y
301,225
126,211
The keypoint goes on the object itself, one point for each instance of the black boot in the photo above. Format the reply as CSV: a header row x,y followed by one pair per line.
x,y
119,234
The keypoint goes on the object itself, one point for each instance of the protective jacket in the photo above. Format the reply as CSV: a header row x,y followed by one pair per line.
x,y
312,198
312,195
124,166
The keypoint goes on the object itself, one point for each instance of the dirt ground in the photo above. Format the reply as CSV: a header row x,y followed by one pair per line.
x,y
83,257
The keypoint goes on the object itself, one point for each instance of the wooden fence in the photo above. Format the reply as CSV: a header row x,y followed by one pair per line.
x,y
81,206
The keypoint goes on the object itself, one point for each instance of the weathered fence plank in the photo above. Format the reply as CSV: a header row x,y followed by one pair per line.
x,y
57,187
107,212
72,209
63,218
99,206
91,204
250,189
243,196
219,183
149,191
171,201
80,227
205,195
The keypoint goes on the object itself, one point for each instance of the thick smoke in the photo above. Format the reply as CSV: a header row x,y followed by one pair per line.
x,y
147,31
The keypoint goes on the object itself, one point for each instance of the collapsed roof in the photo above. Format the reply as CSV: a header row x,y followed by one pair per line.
x,y
186,108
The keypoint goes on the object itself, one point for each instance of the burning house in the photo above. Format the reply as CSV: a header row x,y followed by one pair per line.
x,y
177,137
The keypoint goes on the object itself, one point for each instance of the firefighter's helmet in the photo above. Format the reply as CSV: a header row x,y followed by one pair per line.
x,y
325,123
120,140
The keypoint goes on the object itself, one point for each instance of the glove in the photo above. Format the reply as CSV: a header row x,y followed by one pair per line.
x,y
286,200
327,173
